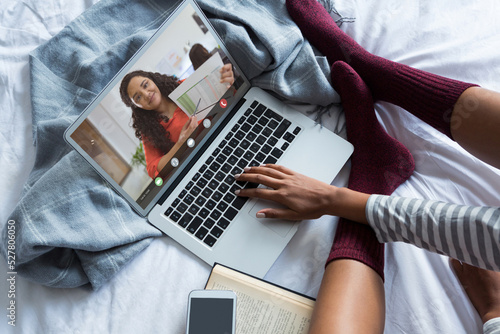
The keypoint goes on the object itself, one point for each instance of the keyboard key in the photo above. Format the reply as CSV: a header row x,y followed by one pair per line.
x,y
222,206
239,135
230,213
217,232
176,202
216,151
189,199
200,200
204,212
203,168
245,144
266,149
239,202
251,136
209,240
297,130
233,143
221,158
201,233
201,183
209,223
232,160
263,121
183,193
272,141
261,139
252,119
282,128
207,192
195,191
254,104
254,148
189,185
175,216
210,204
194,225
214,166
259,110
273,124
222,144
169,211
284,146
267,132
260,157
257,128
270,160
208,174
194,209
213,184
239,152
229,197
277,153
248,155
223,187
288,137
196,176
219,176
242,163
184,221
215,215
224,223
217,196
226,168
182,208
246,127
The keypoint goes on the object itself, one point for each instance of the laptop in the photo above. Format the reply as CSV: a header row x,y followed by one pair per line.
x,y
189,195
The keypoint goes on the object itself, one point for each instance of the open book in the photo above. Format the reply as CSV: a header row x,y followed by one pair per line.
x,y
262,307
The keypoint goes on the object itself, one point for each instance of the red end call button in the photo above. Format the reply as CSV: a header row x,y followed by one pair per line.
x,y
223,103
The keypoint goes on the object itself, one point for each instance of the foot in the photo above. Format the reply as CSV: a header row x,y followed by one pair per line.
x,y
319,28
379,163
482,286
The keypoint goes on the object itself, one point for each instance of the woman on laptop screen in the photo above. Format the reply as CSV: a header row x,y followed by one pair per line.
x,y
161,125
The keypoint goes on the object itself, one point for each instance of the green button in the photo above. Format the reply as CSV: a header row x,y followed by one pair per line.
x,y
158,181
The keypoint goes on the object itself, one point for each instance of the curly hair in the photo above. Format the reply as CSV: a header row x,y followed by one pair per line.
x,y
147,122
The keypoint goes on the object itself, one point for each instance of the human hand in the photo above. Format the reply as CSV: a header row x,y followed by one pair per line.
x,y
227,75
304,197
482,286
188,128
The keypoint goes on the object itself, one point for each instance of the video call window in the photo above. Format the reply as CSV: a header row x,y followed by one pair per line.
x,y
161,108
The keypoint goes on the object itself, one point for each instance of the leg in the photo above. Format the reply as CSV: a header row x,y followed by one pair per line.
x,y
475,124
350,300
351,297
428,96
483,288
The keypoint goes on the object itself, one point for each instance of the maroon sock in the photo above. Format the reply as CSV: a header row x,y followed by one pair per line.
x,y
428,96
379,165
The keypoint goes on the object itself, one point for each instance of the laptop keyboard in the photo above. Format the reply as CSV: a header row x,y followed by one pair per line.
x,y
207,205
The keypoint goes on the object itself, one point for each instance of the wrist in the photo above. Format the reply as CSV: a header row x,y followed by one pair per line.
x,y
349,204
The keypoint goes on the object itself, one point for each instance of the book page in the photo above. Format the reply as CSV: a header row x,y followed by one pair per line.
x,y
261,307
202,90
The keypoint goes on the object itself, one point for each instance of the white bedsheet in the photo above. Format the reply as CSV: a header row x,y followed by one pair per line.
x,y
458,39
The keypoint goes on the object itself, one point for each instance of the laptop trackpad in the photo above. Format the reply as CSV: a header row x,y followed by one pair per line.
x,y
280,226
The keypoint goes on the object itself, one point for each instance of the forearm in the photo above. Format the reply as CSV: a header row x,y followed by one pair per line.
x,y
349,204
462,232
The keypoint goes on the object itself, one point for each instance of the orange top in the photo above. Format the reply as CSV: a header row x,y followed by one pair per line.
x,y
174,127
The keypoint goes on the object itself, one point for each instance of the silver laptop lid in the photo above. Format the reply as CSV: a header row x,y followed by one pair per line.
x,y
182,59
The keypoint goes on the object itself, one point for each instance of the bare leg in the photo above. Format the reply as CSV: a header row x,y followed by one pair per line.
x,y
483,288
475,124
350,300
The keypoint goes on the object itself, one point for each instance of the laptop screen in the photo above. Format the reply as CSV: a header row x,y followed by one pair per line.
x,y
160,109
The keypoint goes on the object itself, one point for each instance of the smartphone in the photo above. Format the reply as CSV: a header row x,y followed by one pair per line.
x,y
211,312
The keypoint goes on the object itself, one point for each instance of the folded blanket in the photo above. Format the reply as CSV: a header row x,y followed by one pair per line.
x,y
72,229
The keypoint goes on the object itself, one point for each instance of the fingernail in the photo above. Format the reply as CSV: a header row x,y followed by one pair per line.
x,y
246,169
237,176
261,215
262,165
237,191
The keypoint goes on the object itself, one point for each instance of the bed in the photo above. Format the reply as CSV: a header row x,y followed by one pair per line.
x,y
149,294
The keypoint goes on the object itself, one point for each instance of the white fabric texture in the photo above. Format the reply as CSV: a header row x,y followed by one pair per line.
x,y
458,39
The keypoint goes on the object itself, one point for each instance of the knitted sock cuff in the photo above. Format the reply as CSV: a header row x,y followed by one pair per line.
x,y
357,242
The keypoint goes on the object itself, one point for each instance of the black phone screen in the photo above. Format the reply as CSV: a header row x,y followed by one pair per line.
x,y
211,316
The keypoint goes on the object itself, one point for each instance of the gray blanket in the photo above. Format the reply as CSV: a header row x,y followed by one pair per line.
x,y
71,228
